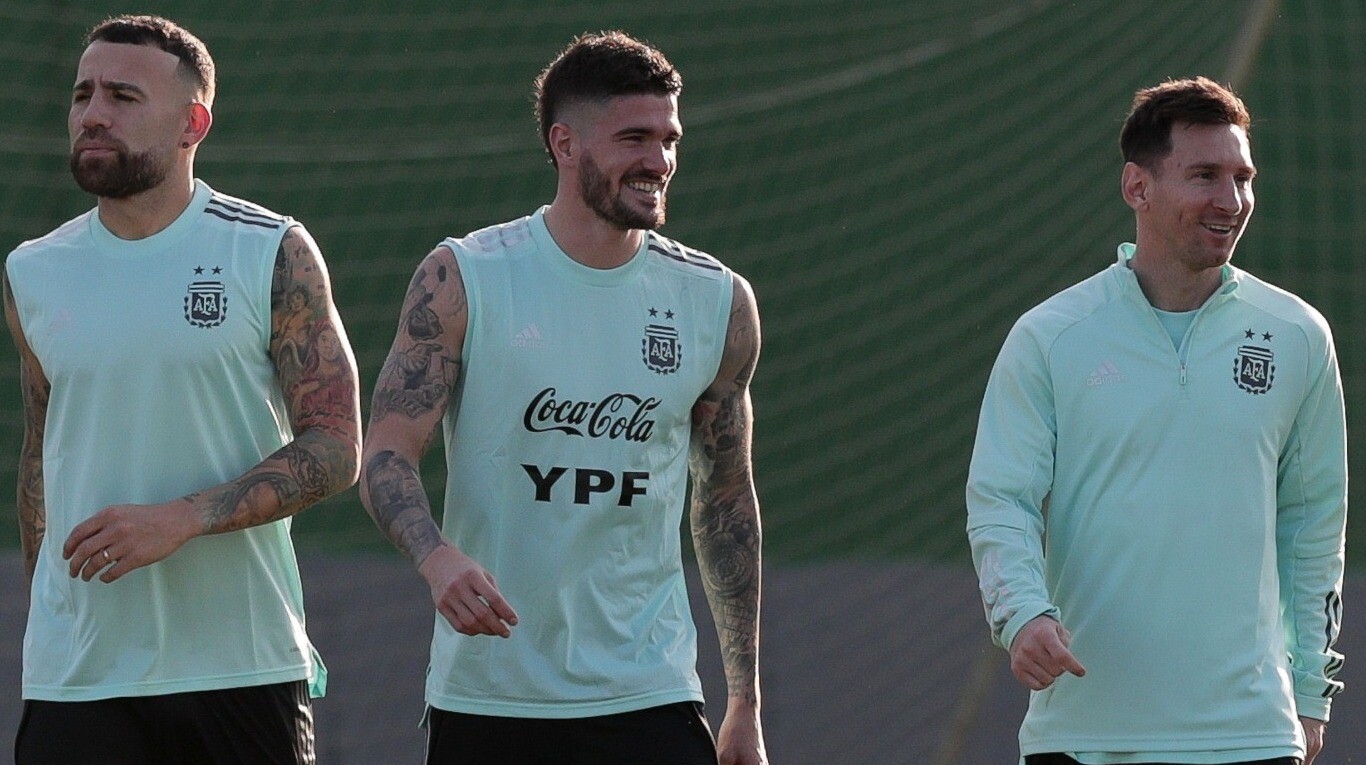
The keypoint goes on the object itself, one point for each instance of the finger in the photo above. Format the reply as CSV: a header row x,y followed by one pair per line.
x,y
494,599
93,565
1062,660
78,536
86,558
119,567
82,551
1032,676
489,621
1066,661
451,615
1071,664
466,622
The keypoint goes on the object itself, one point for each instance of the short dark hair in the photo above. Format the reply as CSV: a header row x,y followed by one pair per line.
x,y
1147,135
598,67
195,63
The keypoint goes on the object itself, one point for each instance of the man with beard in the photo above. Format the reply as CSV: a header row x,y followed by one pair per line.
x,y
1157,498
178,410
583,365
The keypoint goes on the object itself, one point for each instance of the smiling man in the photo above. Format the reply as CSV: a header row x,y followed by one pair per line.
x,y
584,366
1157,495
178,410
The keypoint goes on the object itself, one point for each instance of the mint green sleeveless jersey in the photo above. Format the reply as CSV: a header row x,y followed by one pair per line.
x,y
156,350
567,447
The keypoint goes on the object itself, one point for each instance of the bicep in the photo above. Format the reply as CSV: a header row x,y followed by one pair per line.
x,y
33,381
423,365
308,344
723,415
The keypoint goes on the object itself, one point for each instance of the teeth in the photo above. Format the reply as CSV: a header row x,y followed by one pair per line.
x,y
646,187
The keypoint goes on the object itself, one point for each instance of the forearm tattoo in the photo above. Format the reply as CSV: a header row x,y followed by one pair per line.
x,y
725,517
399,505
302,473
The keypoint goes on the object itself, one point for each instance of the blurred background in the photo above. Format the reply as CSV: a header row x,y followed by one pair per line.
x,y
899,181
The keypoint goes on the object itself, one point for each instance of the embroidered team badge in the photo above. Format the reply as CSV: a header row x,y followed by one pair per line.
x,y
206,302
660,348
1254,369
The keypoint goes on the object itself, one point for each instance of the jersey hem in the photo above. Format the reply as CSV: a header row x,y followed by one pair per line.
x,y
166,687
1161,746
561,710
1194,757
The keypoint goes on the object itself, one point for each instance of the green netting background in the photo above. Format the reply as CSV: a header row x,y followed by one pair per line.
x,y
899,180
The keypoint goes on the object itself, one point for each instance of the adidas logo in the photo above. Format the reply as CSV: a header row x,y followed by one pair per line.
x,y
1106,373
530,337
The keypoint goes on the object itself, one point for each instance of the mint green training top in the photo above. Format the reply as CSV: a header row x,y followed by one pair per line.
x,y
567,448
1180,510
157,353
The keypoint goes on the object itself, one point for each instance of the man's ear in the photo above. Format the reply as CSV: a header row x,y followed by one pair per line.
x,y
1136,184
197,125
564,144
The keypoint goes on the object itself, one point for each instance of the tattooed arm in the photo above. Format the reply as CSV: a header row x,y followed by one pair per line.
x,y
411,396
32,509
725,527
317,373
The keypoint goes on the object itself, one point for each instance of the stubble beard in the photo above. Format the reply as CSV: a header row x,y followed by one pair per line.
x,y
123,175
596,190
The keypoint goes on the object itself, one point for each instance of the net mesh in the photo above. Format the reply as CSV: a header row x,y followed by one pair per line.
x,y
898,180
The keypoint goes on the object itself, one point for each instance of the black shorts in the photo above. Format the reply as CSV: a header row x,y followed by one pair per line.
x,y
1055,758
255,725
673,734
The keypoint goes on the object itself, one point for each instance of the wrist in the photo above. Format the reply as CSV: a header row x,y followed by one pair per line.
x,y
746,702
192,521
432,557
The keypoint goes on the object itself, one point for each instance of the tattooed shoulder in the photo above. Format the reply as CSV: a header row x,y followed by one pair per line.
x,y
424,362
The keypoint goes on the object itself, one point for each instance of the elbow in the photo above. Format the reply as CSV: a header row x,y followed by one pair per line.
x,y
348,463
339,452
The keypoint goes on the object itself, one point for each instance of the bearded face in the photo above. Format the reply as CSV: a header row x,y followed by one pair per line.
x,y
116,172
606,197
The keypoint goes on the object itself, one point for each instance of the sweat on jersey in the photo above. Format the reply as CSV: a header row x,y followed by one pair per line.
x,y
567,445
157,353
1181,510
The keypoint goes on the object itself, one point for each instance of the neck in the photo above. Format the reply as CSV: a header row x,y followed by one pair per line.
x,y
587,238
142,215
1170,286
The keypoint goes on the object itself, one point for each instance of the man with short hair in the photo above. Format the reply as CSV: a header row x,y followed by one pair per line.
x,y
1157,495
584,365
187,387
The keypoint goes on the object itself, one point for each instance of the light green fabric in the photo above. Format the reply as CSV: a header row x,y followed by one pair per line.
x,y
156,350
567,450
1194,495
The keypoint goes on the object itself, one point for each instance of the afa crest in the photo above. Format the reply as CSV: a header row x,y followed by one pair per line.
x,y
206,304
1254,369
660,349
